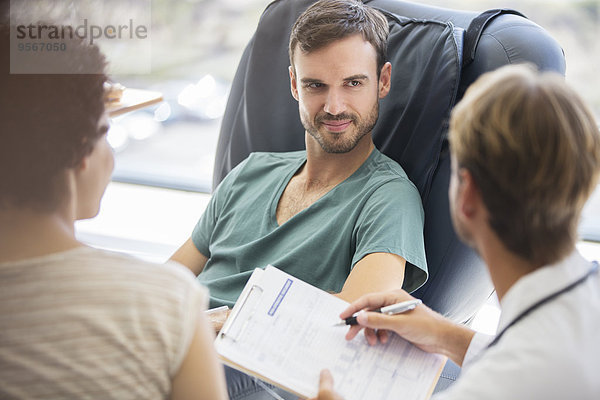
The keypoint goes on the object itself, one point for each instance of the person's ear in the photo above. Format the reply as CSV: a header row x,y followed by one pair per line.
x,y
293,83
385,80
469,196
83,164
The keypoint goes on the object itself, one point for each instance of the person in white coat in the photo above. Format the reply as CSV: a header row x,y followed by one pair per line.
x,y
525,158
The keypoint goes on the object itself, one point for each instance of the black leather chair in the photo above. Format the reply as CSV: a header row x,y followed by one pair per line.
x,y
435,56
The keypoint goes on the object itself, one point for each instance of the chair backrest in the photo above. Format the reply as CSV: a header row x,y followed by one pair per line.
x,y
429,74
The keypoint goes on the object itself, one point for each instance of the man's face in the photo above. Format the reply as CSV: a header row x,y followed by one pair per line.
x,y
338,92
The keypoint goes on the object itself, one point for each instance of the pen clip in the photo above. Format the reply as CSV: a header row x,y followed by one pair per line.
x,y
401,307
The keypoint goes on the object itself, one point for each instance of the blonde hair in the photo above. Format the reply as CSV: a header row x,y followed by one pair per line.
x,y
533,149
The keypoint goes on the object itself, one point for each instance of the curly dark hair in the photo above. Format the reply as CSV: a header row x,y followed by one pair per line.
x,y
48,123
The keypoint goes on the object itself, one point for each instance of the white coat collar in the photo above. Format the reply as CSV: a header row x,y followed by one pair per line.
x,y
541,283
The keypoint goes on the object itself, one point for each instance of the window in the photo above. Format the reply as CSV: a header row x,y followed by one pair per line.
x,y
196,46
575,24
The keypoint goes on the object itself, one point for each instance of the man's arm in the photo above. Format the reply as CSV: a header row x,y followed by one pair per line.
x,y
376,272
189,256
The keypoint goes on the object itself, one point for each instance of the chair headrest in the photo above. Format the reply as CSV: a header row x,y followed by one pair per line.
x,y
262,115
426,66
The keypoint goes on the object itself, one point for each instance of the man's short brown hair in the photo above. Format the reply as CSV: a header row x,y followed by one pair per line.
x,y
327,21
533,149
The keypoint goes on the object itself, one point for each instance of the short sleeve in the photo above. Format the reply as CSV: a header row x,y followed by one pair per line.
x,y
391,221
201,235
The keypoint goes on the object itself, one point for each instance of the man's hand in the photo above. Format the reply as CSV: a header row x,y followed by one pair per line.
x,y
326,387
217,318
422,326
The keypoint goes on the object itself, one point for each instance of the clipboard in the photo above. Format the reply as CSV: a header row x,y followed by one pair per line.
x,y
131,100
281,331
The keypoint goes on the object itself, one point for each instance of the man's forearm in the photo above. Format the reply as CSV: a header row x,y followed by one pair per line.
x,y
376,272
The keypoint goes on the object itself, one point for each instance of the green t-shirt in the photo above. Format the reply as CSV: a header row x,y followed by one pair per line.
x,y
376,209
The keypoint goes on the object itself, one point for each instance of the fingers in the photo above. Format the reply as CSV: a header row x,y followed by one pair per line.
x,y
325,381
218,319
375,325
326,387
353,331
375,300
369,301
383,336
371,336
380,321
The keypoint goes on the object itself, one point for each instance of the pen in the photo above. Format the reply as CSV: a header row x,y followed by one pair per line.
x,y
397,308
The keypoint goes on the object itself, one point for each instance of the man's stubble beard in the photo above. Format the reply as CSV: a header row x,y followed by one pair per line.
x,y
337,146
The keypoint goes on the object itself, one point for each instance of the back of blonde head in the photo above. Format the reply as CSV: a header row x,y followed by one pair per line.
x,y
533,148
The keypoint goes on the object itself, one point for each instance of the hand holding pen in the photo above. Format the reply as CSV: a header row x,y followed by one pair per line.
x,y
393,309
421,326
399,312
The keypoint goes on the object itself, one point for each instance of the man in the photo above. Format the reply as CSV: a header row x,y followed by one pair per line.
x,y
79,322
339,215
526,156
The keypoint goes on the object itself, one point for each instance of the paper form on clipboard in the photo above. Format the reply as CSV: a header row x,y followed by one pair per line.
x,y
281,330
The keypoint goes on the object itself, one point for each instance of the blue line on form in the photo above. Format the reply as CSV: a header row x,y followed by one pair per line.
x,y
280,297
